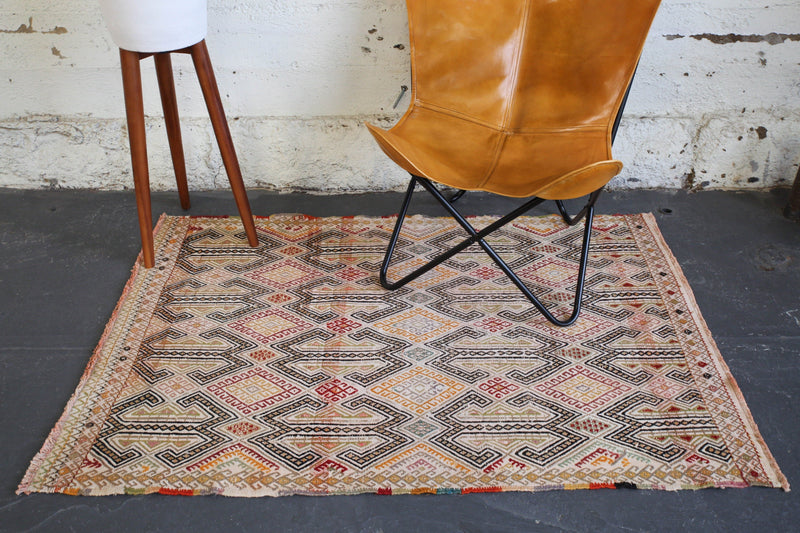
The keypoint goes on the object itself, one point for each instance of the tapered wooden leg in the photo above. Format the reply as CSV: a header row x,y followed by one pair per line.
x,y
166,86
208,83
134,110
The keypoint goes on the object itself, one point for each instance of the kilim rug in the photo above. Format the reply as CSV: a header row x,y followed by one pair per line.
x,y
287,369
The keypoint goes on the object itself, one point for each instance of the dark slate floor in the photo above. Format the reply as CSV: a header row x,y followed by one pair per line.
x,y
65,256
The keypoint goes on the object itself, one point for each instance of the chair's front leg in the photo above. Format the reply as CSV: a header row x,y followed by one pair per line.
x,y
439,259
398,225
576,304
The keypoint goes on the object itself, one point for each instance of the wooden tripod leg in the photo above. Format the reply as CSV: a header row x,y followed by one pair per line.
x,y
134,110
208,84
166,86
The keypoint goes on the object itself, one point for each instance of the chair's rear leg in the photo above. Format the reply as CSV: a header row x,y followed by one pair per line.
x,y
571,221
457,195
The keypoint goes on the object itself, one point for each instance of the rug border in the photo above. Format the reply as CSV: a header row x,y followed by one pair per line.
x,y
36,463
776,477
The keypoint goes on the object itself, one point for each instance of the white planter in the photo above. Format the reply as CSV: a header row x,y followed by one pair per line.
x,y
155,25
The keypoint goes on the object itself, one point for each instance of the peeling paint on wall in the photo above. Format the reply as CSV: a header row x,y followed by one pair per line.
x,y
23,28
770,38
58,30
28,28
730,38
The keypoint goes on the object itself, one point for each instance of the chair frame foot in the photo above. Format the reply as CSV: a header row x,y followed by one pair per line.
x,y
477,237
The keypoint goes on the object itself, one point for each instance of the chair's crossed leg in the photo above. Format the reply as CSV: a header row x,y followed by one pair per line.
x,y
478,237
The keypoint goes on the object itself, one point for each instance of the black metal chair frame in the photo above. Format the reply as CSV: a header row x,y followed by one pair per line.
x,y
478,237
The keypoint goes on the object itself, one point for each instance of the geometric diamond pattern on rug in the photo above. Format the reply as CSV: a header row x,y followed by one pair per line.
x,y
418,325
287,368
269,325
253,390
589,425
240,429
418,389
420,428
342,325
283,275
335,390
493,324
551,273
498,387
582,388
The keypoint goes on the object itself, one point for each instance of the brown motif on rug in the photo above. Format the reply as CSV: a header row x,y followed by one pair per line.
x,y
287,369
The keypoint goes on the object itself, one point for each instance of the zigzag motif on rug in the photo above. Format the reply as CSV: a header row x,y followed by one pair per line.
x,y
287,369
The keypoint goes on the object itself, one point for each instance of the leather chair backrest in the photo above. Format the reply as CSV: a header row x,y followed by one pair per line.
x,y
527,65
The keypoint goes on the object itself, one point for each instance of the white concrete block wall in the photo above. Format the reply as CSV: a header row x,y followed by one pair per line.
x,y
716,103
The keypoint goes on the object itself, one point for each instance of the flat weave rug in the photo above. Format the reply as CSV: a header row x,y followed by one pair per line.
x,y
287,369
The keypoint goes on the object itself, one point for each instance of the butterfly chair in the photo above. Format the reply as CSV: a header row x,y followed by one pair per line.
x,y
518,98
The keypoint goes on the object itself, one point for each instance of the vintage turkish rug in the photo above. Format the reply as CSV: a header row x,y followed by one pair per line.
x,y
287,369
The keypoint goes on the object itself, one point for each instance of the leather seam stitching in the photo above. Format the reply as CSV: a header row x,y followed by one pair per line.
x,y
468,118
498,150
512,90
517,61
457,114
